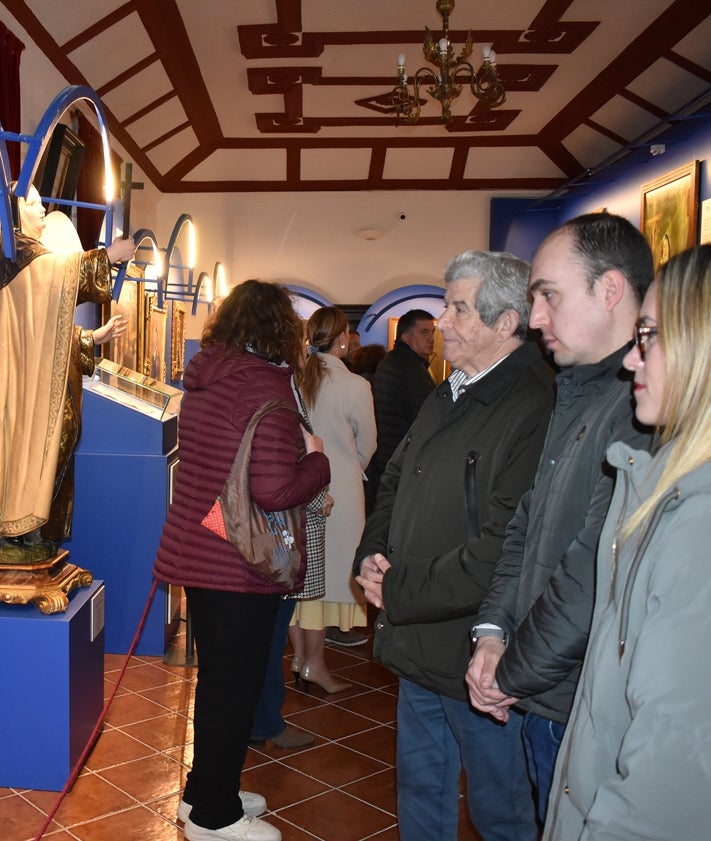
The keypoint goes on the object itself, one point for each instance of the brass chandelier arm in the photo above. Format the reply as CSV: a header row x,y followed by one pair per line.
x,y
485,83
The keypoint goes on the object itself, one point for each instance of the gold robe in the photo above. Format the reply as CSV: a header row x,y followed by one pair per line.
x,y
39,427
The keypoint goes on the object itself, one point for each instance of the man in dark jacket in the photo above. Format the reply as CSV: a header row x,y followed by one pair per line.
x,y
587,281
402,382
429,548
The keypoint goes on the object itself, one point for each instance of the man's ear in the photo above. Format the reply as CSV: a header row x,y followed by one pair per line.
x,y
507,324
407,338
612,285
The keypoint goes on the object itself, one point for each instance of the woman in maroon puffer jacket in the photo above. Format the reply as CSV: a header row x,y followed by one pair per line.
x,y
246,358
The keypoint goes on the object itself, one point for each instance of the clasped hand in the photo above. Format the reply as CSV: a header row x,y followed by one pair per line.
x,y
484,692
372,570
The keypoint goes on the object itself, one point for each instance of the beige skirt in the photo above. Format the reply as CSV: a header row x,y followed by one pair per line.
x,y
318,614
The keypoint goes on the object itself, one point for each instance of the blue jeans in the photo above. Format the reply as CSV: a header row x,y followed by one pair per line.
x,y
436,736
268,720
541,739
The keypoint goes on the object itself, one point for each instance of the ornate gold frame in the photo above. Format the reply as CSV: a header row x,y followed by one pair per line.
x,y
669,214
177,341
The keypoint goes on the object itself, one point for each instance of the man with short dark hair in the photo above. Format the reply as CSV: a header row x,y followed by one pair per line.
x,y
402,382
587,281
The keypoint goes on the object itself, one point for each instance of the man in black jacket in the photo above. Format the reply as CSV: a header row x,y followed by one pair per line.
x,y
587,281
402,382
430,545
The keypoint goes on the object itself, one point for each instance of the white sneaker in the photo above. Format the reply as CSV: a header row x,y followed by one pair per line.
x,y
253,804
246,829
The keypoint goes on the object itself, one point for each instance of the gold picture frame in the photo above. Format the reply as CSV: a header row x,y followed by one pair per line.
x,y
177,341
669,214
127,349
155,332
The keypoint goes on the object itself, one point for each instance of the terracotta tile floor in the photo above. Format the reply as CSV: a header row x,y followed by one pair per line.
x,y
341,788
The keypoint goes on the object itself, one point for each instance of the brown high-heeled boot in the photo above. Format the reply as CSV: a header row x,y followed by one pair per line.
x,y
323,679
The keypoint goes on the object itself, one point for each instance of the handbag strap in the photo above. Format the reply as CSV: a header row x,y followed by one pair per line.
x,y
304,410
244,451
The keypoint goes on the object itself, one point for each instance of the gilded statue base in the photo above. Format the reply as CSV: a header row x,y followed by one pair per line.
x,y
45,584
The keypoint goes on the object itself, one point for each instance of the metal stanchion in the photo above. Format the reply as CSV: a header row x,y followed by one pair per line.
x,y
174,656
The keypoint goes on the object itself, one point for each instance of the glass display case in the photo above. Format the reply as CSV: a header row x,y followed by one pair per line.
x,y
138,391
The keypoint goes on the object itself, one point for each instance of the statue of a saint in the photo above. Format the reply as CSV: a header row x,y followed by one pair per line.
x,y
40,379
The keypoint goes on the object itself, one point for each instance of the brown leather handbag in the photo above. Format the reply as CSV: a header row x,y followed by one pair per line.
x,y
268,540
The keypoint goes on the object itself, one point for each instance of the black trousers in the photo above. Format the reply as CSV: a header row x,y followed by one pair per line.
x,y
233,633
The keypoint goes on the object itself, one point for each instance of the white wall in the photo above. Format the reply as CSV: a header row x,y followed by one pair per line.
x,y
310,239
305,238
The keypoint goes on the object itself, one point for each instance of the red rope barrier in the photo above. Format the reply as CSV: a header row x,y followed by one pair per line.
x,y
94,735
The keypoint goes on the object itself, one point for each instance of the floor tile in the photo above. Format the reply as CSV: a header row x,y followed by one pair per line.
x,y
334,764
341,788
148,778
331,722
334,816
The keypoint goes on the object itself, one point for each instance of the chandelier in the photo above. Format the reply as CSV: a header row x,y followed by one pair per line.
x,y
445,80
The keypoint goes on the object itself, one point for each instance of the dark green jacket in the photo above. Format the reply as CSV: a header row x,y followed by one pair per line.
x,y
439,575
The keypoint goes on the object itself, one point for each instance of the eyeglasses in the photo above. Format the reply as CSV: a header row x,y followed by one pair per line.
x,y
643,334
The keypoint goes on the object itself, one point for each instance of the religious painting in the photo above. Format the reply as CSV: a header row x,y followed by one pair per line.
x,y
127,349
154,364
669,218
177,341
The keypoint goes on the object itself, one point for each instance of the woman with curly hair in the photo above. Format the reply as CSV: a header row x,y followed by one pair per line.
x,y
246,360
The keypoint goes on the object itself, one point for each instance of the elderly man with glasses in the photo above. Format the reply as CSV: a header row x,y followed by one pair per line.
x,y
431,543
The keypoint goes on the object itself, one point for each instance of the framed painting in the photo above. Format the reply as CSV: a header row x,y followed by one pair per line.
x,y
58,170
127,349
669,217
177,341
155,332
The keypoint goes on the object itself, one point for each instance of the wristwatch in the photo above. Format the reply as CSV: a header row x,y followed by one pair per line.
x,y
479,631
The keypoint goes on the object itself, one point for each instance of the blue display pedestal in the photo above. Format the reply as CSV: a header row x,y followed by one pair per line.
x,y
123,477
53,688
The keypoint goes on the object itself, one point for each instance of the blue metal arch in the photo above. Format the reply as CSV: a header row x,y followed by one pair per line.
x,y
36,145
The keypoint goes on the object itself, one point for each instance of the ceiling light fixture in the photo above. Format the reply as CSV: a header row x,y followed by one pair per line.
x,y
445,85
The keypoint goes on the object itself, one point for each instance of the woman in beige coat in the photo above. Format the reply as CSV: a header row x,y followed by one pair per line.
x,y
341,408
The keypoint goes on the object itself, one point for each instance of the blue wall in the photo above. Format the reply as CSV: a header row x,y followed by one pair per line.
x,y
518,225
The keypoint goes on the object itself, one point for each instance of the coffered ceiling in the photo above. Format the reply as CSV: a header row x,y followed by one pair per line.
x,y
270,95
